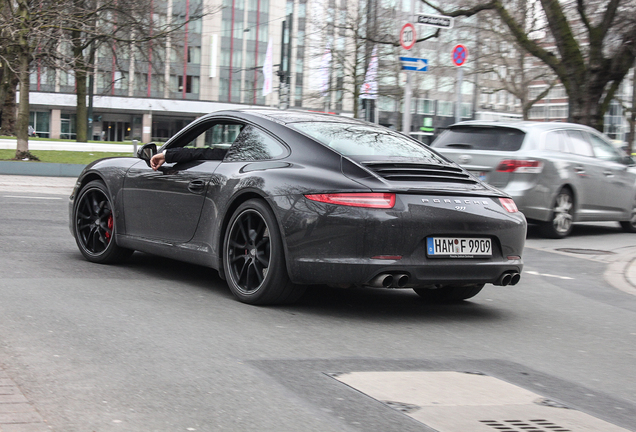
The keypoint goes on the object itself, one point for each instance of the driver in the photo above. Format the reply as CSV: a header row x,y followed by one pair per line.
x,y
186,154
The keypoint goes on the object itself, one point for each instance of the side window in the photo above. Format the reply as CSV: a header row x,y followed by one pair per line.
x,y
554,141
578,144
217,135
253,144
604,150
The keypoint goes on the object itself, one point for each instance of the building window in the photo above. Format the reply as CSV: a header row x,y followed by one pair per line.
x,y
537,112
426,106
194,55
445,108
40,122
68,127
558,111
192,84
467,110
386,103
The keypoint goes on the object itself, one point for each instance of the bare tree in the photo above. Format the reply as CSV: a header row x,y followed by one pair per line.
x,y
116,26
29,30
594,47
503,65
351,33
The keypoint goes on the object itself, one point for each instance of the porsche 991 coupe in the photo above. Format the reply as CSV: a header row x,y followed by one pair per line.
x,y
298,199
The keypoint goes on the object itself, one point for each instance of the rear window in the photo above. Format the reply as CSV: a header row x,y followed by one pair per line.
x,y
364,140
481,138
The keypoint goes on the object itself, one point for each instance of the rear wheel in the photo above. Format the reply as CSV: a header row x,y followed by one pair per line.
x,y
94,225
630,225
253,257
560,224
449,293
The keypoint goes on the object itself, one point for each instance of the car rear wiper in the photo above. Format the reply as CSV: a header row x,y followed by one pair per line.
x,y
459,145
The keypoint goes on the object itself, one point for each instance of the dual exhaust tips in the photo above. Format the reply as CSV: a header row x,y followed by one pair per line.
x,y
508,278
400,280
390,280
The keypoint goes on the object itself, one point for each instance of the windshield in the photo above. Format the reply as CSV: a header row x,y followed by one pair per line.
x,y
481,138
365,140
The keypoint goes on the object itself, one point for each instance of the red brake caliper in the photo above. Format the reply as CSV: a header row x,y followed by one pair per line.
x,y
110,226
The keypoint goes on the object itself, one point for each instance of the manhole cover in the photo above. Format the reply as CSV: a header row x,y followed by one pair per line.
x,y
586,251
448,401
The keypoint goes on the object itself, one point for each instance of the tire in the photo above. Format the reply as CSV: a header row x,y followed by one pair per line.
x,y
254,258
560,223
630,225
449,293
94,225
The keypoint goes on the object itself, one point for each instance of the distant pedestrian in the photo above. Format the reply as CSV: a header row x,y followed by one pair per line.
x,y
103,135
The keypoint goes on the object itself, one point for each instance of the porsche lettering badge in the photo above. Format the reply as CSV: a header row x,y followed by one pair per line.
x,y
454,201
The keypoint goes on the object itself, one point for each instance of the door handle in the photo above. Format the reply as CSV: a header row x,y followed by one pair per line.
x,y
608,173
196,186
579,170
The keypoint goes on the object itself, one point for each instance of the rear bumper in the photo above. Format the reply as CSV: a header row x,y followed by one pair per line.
x,y
329,244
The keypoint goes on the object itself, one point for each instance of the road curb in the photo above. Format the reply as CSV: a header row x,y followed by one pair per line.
x,y
621,274
45,169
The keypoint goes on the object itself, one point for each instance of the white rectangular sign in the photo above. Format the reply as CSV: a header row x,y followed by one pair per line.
x,y
435,20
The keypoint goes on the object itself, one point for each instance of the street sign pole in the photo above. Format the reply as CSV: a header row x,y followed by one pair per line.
x,y
460,53
458,108
406,115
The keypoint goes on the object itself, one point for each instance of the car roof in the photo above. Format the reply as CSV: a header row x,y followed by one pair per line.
x,y
292,116
523,125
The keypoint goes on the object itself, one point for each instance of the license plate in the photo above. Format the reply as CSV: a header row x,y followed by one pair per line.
x,y
458,247
481,175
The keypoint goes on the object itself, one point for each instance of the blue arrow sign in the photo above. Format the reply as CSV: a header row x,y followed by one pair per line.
x,y
414,64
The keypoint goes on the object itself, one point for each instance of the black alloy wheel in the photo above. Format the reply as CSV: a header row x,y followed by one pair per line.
x,y
449,293
253,257
560,224
94,225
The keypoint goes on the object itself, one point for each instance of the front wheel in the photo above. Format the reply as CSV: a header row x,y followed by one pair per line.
x,y
94,225
449,293
560,224
254,259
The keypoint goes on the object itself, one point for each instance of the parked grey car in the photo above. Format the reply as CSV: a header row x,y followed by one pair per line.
x,y
557,173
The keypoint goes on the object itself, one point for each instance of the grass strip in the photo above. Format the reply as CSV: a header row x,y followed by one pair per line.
x,y
63,156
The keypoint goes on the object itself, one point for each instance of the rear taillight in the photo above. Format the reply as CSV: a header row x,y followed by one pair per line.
x,y
368,200
520,166
509,205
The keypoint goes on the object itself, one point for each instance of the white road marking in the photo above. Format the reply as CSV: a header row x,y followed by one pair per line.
x,y
547,275
31,197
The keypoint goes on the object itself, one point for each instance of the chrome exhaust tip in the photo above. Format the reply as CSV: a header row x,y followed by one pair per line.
x,y
384,280
401,280
516,277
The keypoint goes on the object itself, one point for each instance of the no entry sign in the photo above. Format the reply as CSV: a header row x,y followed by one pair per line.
x,y
459,55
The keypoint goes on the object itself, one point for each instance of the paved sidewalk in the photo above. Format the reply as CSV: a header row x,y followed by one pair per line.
x,y
16,413
17,184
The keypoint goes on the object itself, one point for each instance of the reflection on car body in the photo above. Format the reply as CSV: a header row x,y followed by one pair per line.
x,y
557,173
303,199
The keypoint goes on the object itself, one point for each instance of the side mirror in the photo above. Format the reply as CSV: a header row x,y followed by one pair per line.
x,y
629,161
147,151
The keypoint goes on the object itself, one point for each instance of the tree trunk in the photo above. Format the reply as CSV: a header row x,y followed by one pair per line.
x,y
82,109
9,106
81,78
632,120
22,126
23,61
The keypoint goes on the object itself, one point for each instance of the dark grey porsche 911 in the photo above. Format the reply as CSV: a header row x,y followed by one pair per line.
x,y
303,199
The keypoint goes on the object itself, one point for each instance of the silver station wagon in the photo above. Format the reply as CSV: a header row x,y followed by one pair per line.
x,y
557,173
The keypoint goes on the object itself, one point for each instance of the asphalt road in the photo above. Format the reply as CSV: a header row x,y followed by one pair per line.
x,y
158,345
